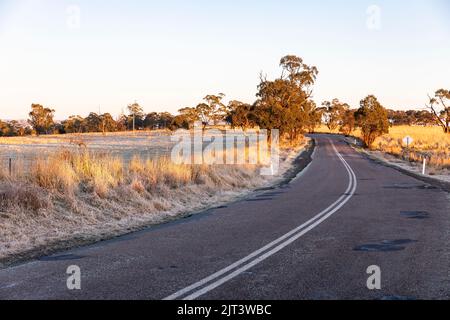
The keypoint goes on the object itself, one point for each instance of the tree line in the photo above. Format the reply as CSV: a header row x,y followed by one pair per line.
x,y
283,103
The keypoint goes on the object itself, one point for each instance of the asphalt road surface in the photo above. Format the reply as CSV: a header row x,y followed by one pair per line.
x,y
311,239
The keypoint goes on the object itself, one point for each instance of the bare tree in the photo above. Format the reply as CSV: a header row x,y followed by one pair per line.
x,y
440,108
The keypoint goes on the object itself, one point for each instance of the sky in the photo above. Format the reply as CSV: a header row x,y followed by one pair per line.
x,y
101,55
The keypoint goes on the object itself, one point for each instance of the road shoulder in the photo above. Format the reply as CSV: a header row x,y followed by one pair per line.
x,y
436,182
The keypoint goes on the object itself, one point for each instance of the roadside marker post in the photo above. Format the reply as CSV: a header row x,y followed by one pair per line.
x,y
424,169
10,166
407,140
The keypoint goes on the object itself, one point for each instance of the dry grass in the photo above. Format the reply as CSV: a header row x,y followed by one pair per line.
x,y
90,195
67,171
55,139
13,195
324,129
30,140
428,141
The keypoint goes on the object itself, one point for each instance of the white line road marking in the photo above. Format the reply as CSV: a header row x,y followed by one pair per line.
x,y
9,286
273,247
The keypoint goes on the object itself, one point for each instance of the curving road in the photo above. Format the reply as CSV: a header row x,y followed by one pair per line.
x,y
311,239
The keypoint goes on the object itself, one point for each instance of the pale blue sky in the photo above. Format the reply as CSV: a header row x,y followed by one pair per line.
x,y
169,54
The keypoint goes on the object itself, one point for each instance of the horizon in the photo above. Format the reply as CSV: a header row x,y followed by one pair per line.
x,y
103,62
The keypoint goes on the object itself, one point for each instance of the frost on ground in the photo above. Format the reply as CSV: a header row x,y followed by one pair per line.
x,y
415,167
77,198
433,171
441,174
124,144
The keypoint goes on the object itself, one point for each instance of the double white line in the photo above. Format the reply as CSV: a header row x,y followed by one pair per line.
x,y
215,280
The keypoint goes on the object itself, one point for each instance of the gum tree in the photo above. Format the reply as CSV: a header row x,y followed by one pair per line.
x,y
373,119
285,103
333,113
41,119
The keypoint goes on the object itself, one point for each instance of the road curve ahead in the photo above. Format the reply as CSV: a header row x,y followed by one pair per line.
x,y
312,239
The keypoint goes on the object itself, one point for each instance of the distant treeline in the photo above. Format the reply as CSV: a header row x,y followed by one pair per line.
x,y
239,117
284,103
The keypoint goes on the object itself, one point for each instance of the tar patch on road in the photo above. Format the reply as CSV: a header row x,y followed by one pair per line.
x,y
266,189
259,199
269,194
419,215
408,186
385,246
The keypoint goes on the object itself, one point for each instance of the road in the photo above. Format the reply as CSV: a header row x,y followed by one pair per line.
x,y
311,239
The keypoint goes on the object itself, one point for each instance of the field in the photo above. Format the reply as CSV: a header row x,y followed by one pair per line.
x,y
431,142
60,193
125,145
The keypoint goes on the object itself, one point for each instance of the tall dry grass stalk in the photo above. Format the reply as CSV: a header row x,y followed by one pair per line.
x,y
65,172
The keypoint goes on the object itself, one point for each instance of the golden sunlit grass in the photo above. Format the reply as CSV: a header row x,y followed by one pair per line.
x,y
67,172
30,140
324,129
428,141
